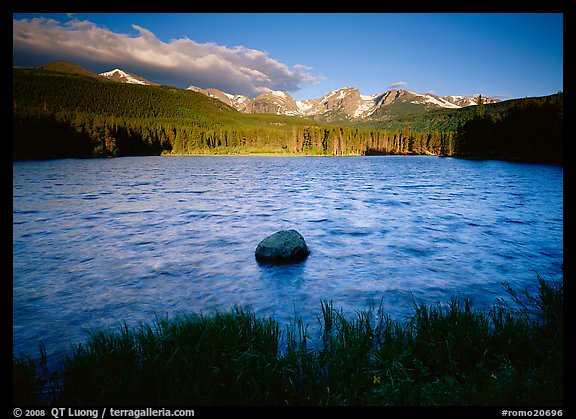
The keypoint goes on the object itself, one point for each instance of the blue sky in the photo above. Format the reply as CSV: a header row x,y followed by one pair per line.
x,y
499,55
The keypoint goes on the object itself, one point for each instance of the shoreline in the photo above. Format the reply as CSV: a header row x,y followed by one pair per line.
x,y
449,354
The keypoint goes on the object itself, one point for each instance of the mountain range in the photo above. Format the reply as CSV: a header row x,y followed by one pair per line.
x,y
64,110
345,104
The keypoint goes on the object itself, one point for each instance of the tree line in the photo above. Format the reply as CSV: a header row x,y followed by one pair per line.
x,y
64,115
530,130
53,135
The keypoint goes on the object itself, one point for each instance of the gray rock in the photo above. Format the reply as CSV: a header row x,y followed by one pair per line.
x,y
282,247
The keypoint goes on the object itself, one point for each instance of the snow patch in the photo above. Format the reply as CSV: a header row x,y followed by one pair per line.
x,y
363,108
442,103
432,100
370,97
123,74
303,106
341,94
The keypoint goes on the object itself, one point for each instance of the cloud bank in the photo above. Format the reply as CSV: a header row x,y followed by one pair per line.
x,y
237,69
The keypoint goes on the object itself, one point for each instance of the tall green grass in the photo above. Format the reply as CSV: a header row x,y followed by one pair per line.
x,y
443,354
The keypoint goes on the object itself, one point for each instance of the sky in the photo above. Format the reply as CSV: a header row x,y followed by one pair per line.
x,y
502,55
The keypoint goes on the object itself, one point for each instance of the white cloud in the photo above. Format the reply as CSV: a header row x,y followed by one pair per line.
x,y
397,84
234,69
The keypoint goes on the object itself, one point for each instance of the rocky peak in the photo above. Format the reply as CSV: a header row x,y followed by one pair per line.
x,y
463,101
274,102
126,77
339,104
344,100
236,101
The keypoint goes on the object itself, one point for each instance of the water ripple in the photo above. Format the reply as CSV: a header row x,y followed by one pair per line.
x,y
167,235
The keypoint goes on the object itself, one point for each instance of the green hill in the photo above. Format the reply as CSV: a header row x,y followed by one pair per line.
x,y
63,110
63,66
449,119
528,129
67,114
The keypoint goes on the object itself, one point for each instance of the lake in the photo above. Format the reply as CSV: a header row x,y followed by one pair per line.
x,y
103,241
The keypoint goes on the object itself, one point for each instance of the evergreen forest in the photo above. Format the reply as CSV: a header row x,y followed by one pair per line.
x,y
61,115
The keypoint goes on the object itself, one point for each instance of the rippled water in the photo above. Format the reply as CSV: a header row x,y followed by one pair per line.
x,y
98,242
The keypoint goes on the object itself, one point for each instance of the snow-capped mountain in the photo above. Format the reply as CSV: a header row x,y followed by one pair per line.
x,y
346,103
342,104
239,102
463,101
275,102
126,77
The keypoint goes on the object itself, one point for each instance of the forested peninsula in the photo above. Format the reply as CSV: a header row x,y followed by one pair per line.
x,y
62,115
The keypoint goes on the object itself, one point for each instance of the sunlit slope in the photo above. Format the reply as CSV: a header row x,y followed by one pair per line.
x,y
58,114
65,104
453,119
62,114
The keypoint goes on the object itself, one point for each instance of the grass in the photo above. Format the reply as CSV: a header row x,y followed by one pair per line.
x,y
446,354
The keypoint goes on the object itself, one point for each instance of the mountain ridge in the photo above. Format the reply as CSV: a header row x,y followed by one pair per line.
x,y
59,115
340,105
124,76
346,103
64,66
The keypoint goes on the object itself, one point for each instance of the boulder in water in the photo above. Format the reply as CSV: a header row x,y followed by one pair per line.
x,y
282,247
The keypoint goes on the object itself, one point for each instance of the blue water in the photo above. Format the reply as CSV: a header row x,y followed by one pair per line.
x,y
99,242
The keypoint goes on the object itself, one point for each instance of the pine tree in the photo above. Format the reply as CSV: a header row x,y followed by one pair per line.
x,y
480,110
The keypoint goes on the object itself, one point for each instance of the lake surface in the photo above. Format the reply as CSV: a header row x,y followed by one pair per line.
x,y
99,242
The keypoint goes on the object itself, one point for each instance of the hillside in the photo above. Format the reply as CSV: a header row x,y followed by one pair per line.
x,y
344,105
455,119
63,66
78,116
528,129
71,113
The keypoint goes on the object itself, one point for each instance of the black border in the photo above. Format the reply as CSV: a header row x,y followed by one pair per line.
x,y
383,6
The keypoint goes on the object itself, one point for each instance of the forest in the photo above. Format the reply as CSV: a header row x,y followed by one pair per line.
x,y
530,130
60,115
